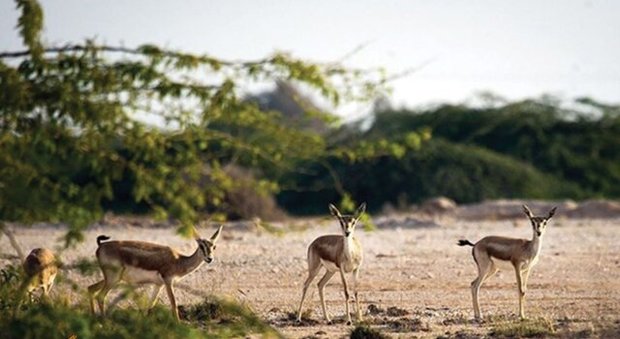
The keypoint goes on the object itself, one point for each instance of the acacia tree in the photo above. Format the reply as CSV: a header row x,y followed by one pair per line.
x,y
76,118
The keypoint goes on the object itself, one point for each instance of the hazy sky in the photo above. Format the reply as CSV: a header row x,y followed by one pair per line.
x,y
515,49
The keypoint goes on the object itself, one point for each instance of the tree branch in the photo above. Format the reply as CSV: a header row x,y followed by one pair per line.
x,y
9,234
142,50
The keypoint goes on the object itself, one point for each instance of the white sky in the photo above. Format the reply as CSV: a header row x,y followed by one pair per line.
x,y
515,49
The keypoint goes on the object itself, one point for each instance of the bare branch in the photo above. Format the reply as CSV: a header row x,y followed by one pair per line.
x,y
134,51
9,234
409,71
355,51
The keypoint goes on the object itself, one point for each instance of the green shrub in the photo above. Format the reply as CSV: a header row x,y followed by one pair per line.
x,y
366,332
58,321
577,144
223,318
212,318
440,168
539,327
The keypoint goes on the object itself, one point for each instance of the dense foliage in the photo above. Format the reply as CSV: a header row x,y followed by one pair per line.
x,y
530,149
578,144
88,127
85,125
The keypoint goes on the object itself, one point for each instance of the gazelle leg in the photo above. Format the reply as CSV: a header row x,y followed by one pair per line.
x,y
110,278
492,271
107,286
328,275
346,296
314,265
521,288
522,276
127,291
93,290
525,275
355,294
155,295
485,265
173,302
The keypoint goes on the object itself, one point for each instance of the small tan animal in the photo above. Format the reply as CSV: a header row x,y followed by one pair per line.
x,y
139,262
521,253
40,268
337,253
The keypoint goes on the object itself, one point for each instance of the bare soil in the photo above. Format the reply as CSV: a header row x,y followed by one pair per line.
x,y
414,280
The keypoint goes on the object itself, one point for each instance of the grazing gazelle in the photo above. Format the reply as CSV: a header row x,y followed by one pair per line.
x,y
139,262
521,253
337,253
40,268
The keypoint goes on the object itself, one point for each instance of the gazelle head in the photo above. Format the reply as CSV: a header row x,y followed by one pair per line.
x,y
207,247
539,224
348,221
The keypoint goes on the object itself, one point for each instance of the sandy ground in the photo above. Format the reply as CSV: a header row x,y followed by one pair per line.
x,y
417,270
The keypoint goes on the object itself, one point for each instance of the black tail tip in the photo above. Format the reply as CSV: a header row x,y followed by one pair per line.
x,y
464,242
102,238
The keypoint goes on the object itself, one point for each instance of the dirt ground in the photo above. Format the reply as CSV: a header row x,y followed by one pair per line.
x,y
414,280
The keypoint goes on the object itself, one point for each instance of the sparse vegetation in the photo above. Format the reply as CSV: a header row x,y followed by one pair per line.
x,y
539,327
367,332
407,325
211,318
394,311
276,305
223,318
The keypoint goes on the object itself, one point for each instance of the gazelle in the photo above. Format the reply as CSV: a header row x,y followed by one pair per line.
x,y
337,253
40,268
139,262
521,253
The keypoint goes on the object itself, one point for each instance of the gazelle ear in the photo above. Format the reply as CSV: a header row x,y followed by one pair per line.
x,y
552,212
334,211
527,211
360,210
216,235
195,233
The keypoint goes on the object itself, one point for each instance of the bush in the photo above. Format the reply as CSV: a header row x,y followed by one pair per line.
x,y
440,168
211,318
247,199
226,318
523,329
60,321
577,145
366,332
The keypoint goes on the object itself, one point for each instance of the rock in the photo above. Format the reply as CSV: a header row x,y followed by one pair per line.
x,y
596,209
400,222
438,205
511,209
